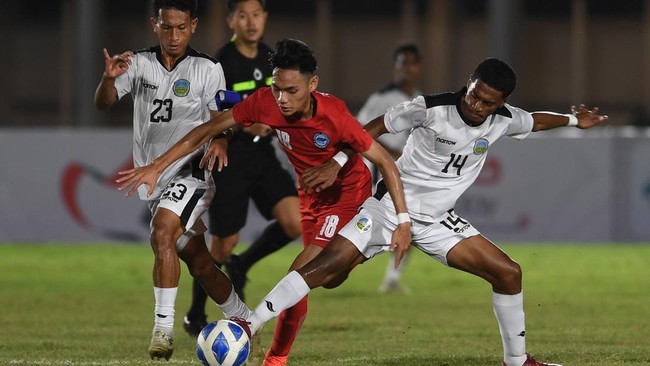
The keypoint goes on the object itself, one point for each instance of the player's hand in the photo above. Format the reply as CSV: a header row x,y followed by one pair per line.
x,y
401,242
136,177
217,152
116,65
258,129
587,118
318,178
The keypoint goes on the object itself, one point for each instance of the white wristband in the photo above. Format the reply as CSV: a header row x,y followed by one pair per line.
x,y
573,120
340,158
403,217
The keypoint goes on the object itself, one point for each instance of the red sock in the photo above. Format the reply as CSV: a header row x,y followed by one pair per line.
x,y
287,327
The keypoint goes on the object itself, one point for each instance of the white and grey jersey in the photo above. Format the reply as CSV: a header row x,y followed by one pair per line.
x,y
444,155
377,104
168,104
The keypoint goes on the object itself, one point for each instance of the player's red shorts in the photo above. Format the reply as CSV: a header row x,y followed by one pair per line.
x,y
319,223
320,230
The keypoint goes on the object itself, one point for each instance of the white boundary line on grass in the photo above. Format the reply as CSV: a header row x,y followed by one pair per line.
x,y
364,359
94,363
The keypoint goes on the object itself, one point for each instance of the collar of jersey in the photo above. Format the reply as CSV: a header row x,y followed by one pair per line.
x,y
188,51
459,96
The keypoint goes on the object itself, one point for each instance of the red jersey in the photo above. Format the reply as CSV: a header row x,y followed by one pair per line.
x,y
315,141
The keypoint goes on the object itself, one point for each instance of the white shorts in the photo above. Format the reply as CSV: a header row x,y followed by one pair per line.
x,y
189,198
372,228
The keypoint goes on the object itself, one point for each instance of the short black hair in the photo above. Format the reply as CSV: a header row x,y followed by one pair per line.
x,y
497,74
233,3
189,6
295,55
407,48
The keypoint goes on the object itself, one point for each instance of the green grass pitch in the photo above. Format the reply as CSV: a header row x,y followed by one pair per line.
x,y
93,305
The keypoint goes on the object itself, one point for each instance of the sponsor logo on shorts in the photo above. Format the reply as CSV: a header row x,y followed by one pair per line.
x,y
481,146
181,87
321,140
462,229
169,198
364,224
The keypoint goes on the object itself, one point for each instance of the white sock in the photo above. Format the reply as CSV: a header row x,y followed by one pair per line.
x,y
291,289
392,274
233,306
509,310
164,309
183,240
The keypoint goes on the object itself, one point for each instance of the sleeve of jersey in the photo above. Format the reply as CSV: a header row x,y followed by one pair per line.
x,y
354,134
406,115
216,81
521,125
246,113
124,82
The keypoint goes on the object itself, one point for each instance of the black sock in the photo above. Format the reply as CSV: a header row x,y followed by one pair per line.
x,y
272,239
199,297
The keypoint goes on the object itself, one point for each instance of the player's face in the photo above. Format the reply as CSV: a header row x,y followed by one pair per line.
x,y
292,91
480,101
407,69
248,21
174,29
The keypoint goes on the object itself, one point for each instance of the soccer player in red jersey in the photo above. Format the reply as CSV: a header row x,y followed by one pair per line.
x,y
312,128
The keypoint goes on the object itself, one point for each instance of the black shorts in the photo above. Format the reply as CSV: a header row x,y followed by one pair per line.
x,y
249,175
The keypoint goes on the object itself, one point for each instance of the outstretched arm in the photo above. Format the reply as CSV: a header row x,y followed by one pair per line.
x,y
189,143
582,118
402,234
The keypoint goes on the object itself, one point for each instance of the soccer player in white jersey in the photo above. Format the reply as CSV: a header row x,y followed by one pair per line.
x,y
450,136
407,69
173,89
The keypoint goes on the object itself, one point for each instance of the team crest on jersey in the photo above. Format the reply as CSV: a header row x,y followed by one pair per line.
x,y
181,87
364,224
481,146
321,140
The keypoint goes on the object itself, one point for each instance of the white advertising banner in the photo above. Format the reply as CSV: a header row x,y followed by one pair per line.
x,y
631,189
542,189
58,186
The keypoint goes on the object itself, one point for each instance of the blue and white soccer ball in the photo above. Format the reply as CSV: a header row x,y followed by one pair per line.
x,y
223,343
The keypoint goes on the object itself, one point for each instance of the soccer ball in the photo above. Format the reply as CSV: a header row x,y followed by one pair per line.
x,y
223,343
